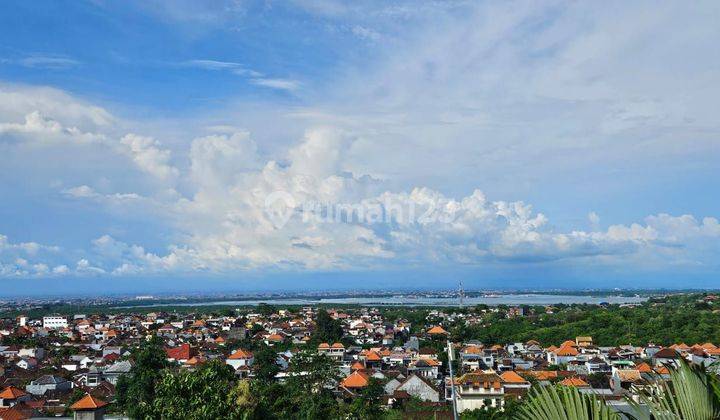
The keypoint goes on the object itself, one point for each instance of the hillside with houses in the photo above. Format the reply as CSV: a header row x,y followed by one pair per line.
x,y
366,362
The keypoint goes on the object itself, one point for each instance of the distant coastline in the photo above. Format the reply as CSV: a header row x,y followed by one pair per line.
x,y
415,300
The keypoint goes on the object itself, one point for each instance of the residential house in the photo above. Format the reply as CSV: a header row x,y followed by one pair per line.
x,y
420,387
477,390
48,383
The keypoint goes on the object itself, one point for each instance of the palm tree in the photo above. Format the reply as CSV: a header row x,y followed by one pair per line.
x,y
562,402
690,394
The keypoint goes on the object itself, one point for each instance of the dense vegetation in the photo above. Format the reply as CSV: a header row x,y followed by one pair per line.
x,y
673,319
662,323
154,390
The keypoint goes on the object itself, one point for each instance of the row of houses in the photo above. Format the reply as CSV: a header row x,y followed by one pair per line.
x,y
93,352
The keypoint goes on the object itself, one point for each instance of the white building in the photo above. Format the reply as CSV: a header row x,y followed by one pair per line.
x,y
240,358
52,322
477,390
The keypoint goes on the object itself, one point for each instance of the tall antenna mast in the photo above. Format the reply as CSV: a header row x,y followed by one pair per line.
x,y
461,293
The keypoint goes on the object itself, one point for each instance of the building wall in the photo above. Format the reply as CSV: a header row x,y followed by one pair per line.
x,y
417,388
55,322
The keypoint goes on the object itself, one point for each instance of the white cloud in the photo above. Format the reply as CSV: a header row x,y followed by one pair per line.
x,y
84,191
53,62
17,101
148,155
25,259
213,64
279,84
38,128
224,225
83,266
61,269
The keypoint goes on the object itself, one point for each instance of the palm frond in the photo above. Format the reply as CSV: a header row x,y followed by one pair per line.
x,y
688,395
552,403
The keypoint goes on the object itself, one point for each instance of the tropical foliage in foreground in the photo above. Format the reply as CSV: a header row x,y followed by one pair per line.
x,y
690,394
552,403
156,391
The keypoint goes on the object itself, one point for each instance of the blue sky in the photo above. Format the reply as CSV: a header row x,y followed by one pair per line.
x,y
554,144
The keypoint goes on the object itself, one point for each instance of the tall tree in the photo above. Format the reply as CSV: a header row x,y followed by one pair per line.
x,y
327,329
136,391
265,365
313,377
205,394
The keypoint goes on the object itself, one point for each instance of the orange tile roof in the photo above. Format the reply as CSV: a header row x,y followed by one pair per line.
x,y
357,366
16,412
182,352
338,346
356,379
709,346
512,378
373,357
437,330
574,381
552,348
195,360
566,351
543,375
12,393
324,346
275,337
629,375
240,354
472,350
568,343
88,402
662,370
643,368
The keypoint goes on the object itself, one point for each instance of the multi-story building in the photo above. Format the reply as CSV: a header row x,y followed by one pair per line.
x,y
477,390
54,322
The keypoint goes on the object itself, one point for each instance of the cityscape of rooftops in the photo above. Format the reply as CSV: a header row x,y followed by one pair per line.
x,y
370,209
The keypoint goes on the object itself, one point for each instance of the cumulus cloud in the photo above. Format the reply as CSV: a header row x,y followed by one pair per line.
x,y
39,128
25,259
148,155
340,220
17,101
336,218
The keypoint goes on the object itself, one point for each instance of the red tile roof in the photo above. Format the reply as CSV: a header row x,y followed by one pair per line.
x,y
15,413
356,379
12,393
182,352
511,377
643,368
437,330
240,354
575,381
566,351
88,402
